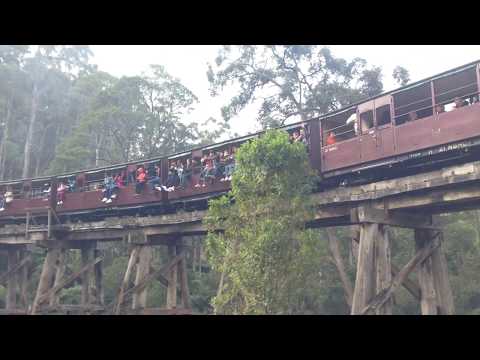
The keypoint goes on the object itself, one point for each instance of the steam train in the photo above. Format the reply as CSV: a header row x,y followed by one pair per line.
x,y
426,124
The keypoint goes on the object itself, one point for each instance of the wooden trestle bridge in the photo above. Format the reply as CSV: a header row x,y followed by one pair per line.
x,y
406,202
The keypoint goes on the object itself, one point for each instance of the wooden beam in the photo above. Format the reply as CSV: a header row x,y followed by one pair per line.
x,y
46,278
172,281
87,255
428,301
68,280
381,298
13,312
383,267
410,285
446,305
144,259
98,270
11,298
365,278
17,267
25,255
337,258
183,275
367,213
60,273
73,308
131,262
161,311
154,275
159,277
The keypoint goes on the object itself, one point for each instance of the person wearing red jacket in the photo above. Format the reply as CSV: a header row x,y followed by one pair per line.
x,y
141,180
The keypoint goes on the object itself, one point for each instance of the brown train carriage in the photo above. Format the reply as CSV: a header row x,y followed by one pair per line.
x,y
405,124
371,135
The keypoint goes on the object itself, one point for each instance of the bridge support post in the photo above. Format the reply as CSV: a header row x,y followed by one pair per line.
x,y
46,277
59,274
87,256
98,283
144,260
172,279
436,293
11,300
373,267
445,303
183,275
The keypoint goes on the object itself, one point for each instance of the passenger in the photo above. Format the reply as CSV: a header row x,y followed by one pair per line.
x,y
131,174
218,165
61,190
331,139
294,136
439,108
301,136
225,161
173,180
180,170
186,174
118,183
412,116
72,182
229,165
207,170
46,191
2,202
141,180
155,179
5,198
108,186
459,102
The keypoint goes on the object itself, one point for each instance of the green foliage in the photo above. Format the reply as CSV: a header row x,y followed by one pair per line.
x,y
261,251
291,81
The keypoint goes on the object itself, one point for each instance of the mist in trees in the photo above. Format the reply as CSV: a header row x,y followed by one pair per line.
x,y
59,113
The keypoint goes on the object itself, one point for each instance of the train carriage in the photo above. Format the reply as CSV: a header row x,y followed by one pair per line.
x,y
422,124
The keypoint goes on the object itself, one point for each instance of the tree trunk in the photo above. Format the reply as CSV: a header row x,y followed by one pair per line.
x,y
30,131
3,145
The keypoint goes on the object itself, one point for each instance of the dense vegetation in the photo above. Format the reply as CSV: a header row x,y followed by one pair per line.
x,y
59,113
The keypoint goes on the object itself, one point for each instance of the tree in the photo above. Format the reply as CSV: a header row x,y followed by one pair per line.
x,y
293,81
401,75
44,70
262,249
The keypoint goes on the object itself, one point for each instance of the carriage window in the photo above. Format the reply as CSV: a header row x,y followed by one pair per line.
x,y
413,104
383,115
339,127
366,121
456,90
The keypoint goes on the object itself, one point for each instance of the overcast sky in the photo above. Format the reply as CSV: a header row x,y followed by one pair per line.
x,y
189,64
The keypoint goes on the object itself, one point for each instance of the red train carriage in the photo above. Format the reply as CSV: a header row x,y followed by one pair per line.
x,y
433,120
419,123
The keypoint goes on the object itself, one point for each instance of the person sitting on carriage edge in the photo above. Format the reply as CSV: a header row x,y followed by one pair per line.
x,y
186,174
108,186
141,181
61,190
46,191
2,202
72,183
459,102
439,108
154,178
173,180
